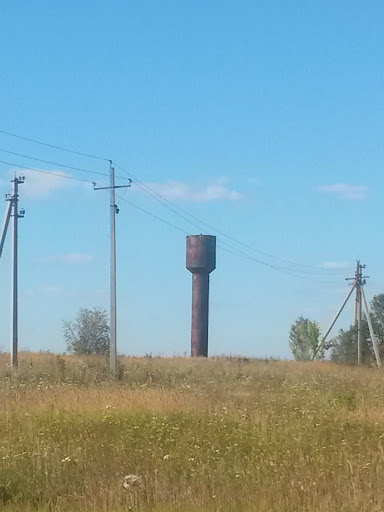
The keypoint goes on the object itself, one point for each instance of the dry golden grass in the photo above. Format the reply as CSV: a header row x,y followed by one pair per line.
x,y
201,435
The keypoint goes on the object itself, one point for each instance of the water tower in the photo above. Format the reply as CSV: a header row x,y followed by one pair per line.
x,y
201,261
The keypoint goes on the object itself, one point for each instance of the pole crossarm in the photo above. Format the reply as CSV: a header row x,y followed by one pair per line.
x,y
109,188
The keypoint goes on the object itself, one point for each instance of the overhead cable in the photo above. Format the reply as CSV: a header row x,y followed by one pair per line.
x,y
228,248
184,214
151,214
96,157
177,209
64,176
59,164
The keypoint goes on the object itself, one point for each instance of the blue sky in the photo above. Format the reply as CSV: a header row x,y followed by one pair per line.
x,y
264,119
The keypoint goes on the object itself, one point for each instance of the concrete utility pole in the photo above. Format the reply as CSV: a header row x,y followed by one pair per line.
x,y
359,317
359,283
13,213
113,300
15,296
201,261
113,318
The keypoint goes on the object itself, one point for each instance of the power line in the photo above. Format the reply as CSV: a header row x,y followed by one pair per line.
x,y
163,200
176,209
234,249
151,214
153,194
64,176
58,164
96,157
279,269
227,248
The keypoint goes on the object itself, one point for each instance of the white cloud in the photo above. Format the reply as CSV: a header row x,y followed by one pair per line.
x,y
75,257
50,290
336,264
344,191
71,258
39,185
178,190
254,181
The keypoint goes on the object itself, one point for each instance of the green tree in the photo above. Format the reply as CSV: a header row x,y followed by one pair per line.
x,y
377,314
304,339
88,333
344,345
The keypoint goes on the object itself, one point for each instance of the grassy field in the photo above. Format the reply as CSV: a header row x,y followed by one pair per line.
x,y
194,435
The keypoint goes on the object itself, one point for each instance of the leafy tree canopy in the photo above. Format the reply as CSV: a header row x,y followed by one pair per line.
x,y
344,345
304,338
88,333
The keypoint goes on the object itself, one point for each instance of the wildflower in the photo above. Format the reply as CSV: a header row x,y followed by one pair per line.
x,y
132,481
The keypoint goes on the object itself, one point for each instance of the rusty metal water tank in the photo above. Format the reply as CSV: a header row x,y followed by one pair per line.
x,y
201,261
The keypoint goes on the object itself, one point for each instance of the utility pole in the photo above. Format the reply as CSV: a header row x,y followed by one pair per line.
x,y
13,213
359,310
359,282
15,298
113,300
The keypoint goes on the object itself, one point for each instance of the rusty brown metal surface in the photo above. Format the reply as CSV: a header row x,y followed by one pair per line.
x,y
201,253
200,312
201,261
